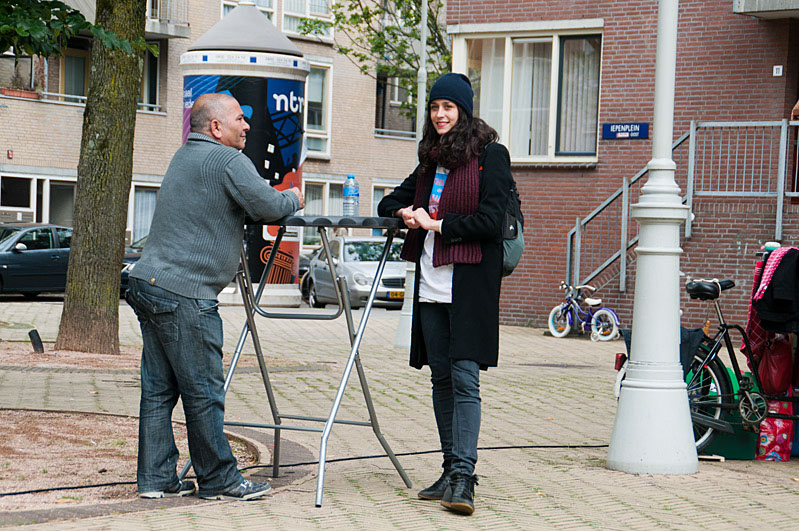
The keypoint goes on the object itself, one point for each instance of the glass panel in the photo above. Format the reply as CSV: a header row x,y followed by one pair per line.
x,y
319,7
64,238
38,239
294,6
579,95
335,201
377,195
485,68
532,62
62,201
15,192
313,199
370,252
316,97
75,75
264,3
143,210
316,144
7,232
150,80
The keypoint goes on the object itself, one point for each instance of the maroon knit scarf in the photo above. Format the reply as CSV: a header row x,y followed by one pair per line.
x,y
461,195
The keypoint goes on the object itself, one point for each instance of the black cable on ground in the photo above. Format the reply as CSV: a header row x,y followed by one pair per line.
x,y
338,460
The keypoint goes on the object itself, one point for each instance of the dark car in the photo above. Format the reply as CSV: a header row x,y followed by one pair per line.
x,y
132,255
33,258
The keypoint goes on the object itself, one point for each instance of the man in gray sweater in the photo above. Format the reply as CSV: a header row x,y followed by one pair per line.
x,y
192,252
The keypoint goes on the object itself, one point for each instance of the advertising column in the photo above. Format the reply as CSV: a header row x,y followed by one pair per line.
x,y
266,74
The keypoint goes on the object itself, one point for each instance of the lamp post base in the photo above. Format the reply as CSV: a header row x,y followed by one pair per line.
x,y
653,432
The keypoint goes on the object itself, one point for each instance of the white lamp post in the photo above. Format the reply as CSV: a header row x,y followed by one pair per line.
x,y
653,433
403,337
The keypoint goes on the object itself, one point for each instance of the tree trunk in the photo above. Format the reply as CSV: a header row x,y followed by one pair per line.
x,y
90,320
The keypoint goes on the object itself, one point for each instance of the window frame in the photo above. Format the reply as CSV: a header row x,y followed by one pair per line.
x,y
62,74
270,12
327,111
141,105
307,14
558,31
325,181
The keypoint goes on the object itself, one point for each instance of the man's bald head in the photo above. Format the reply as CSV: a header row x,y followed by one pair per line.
x,y
220,117
208,107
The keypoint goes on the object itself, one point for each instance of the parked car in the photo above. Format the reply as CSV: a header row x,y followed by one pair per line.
x,y
132,255
33,258
356,259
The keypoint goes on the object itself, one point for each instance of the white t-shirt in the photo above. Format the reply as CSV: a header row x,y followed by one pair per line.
x,y
435,283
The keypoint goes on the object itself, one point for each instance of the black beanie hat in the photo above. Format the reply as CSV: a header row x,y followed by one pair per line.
x,y
454,87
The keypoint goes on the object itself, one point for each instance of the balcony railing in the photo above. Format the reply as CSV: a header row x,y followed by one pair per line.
x,y
168,11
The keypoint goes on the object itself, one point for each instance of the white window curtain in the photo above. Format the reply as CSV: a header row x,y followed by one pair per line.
x,y
316,97
335,201
532,67
486,67
313,199
579,95
75,74
143,209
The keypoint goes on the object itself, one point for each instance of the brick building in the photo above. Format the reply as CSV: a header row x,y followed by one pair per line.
x,y
551,75
41,140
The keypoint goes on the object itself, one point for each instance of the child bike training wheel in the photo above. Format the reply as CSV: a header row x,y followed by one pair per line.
x,y
559,321
603,326
708,387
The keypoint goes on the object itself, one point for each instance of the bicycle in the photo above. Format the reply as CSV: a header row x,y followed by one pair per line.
x,y
602,322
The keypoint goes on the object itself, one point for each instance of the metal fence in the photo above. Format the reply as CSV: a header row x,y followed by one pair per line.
x,y
168,11
743,159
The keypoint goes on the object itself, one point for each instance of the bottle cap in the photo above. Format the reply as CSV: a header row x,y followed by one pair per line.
x,y
350,176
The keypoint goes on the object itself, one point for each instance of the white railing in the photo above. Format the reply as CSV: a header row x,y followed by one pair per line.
x,y
168,11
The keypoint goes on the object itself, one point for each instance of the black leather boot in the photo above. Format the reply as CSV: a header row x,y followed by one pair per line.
x,y
436,490
459,496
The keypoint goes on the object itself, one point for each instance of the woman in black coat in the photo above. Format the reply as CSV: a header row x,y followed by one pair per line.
x,y
454,203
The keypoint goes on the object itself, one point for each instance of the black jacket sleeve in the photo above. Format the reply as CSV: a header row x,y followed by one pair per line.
x,y
400,197
495,185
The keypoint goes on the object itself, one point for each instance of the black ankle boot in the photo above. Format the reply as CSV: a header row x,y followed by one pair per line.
x,y
436,490
459,496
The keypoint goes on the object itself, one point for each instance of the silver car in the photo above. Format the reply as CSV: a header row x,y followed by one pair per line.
x,y
356,259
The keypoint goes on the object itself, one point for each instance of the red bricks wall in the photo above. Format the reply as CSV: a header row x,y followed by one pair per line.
x,y
724,72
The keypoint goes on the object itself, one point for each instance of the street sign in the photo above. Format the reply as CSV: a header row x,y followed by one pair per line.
x,y
628,130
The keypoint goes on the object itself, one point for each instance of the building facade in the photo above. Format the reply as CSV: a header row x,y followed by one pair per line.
x,y
570,88
42,139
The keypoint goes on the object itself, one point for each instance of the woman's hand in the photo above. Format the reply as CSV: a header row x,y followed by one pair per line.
x,y
407,216
424,220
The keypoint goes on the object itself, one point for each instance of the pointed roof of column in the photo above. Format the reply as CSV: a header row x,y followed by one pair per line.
x,y
246,29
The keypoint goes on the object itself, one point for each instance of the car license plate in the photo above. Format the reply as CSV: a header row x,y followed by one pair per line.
x,y
396,294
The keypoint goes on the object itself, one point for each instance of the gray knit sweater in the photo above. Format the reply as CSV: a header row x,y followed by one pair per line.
x,y
195,238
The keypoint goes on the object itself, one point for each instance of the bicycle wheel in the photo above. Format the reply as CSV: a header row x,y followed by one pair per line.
x,y
603,326
708,388
559,322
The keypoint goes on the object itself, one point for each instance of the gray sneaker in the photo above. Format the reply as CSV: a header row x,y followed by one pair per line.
x,y
181,488
246,490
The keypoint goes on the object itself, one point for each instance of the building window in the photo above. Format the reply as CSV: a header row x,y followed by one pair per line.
x,y
148,98
75,74
321,199
318,100
267,7
554,92
143,209
390,120
296,10
15,192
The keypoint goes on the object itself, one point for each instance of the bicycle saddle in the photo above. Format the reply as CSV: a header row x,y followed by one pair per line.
x,y
707,289
592,302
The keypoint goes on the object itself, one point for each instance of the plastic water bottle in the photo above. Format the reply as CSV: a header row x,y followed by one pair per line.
x,y
350,196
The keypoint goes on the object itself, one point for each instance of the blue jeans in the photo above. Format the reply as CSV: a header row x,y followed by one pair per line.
x,y
456,390
181,357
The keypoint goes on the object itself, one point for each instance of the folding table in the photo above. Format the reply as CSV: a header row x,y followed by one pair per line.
x,y
251,299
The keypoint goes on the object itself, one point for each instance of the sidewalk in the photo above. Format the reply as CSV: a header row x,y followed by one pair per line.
x,y
546,391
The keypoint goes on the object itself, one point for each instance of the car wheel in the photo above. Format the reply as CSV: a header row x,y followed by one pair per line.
x,y
313,298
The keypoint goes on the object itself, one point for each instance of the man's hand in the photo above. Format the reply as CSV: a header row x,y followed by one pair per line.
x,y
298,193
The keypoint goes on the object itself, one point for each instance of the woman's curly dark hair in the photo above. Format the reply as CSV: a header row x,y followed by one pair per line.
x,y
465,140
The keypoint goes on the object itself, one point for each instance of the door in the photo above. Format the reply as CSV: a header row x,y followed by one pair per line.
x,y
63,241
35,268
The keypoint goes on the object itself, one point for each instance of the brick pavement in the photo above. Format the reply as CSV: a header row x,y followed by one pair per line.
x,y
546,392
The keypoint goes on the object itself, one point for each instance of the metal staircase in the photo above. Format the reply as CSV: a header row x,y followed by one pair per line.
x,y
723,159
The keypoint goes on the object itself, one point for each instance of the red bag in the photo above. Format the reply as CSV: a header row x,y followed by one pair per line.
x,y
775,366
776,435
